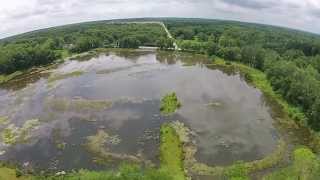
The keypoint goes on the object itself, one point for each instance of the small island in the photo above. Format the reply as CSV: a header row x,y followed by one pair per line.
x,y
169,104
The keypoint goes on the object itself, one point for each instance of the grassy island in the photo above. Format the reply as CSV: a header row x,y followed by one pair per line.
x,y
169,104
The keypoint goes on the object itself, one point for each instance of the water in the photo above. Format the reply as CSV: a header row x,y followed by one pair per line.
x,y
230,119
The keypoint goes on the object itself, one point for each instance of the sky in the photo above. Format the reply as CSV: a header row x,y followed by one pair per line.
x,y
18,16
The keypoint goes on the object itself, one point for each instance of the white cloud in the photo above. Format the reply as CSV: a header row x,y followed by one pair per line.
x,y
18,16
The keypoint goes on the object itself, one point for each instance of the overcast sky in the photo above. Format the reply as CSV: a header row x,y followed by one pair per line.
x,y
17,16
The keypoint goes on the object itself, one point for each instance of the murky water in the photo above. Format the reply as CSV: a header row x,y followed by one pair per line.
x,y
119,92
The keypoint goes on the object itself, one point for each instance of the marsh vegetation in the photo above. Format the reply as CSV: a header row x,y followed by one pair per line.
x,y
12,135
169,104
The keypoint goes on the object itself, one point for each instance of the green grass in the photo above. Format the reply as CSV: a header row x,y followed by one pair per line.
x,y
125,172
238,171
11,174
6,78
306,166
169,104
171,153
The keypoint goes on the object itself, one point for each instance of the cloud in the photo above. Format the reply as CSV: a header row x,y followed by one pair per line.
x,y
315,12
251,4
18,16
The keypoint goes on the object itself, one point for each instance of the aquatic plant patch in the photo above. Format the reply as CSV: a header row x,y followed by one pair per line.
x,y
12,135
98,146
169,104
4,120
56,77
77,105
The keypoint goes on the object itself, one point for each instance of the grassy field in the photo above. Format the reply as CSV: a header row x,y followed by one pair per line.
x,y
305,166
171,154
125,172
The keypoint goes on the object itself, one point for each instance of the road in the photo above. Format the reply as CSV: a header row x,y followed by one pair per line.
x,y
176,47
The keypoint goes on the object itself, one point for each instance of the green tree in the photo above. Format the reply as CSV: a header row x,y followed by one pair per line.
x,y
254,56
129,42
212,48
165,43
230,53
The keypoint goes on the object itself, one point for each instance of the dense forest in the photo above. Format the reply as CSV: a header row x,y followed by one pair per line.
x,y
44,46
291,59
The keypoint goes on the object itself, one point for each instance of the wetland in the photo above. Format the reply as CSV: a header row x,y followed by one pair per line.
x,y
98,112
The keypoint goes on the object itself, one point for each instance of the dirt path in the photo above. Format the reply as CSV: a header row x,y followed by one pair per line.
x,y
176,47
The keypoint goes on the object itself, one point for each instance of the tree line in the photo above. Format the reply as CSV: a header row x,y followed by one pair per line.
x,y
44,46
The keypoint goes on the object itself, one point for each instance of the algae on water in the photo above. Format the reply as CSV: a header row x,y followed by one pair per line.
x,y
57,139
98,146
4,120
56,77
12,134
96,142
77,105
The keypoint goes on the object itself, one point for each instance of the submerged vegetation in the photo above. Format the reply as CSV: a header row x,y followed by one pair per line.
x,y
4,120
56,77
77,105
169,104
98,146
12,135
